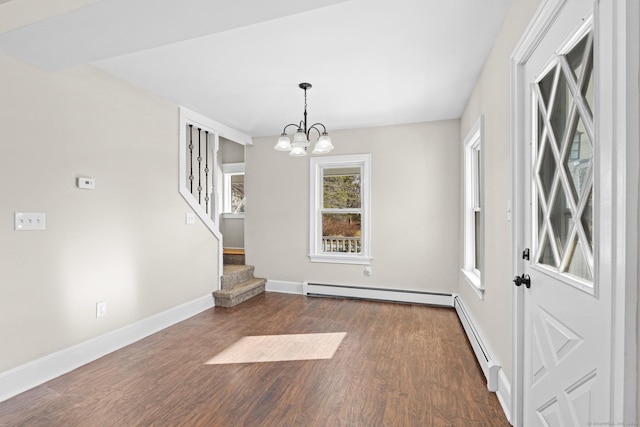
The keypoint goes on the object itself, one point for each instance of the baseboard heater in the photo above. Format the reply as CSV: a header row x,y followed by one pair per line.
x,y
484,356
377,294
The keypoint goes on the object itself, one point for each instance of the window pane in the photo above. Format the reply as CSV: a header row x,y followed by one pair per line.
x,y
476,239
476,178
341,188
341,232
237,193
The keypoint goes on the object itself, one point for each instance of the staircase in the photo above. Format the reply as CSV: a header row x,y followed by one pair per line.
x,y
237,285
233,256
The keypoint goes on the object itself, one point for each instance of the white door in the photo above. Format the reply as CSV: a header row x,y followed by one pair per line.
x,y
567,326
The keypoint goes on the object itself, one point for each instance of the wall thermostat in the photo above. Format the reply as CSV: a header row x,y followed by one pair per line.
x,y
85,183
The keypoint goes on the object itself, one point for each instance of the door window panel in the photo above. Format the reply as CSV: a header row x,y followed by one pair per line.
x,y
564,163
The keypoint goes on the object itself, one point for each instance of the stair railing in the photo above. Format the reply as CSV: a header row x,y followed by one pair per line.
x,y
199,142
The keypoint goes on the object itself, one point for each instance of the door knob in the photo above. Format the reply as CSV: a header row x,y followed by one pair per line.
x,y
522,280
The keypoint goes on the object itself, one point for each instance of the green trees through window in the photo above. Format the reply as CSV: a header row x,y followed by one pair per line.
x,y
340,209
341,194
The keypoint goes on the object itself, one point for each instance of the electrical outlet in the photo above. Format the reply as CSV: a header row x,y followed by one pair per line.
x,y
190,218
101,308
367,271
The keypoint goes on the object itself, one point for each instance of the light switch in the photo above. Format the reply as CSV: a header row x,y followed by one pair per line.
x,y
30,221
190,218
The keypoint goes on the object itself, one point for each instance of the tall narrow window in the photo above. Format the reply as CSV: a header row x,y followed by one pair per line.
x,y
233,189
473,224
340,209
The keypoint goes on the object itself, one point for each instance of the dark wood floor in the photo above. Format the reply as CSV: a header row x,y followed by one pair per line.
x,y
399,365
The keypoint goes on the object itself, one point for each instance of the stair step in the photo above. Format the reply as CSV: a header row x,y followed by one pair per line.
x,y
233,256
235,274
239,292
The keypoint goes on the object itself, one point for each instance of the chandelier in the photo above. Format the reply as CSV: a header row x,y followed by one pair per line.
x,y
298,147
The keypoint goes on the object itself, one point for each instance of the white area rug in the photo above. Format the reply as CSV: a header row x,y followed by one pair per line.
x,y
274,348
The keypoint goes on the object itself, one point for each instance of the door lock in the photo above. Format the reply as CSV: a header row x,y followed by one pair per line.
x,y
522,280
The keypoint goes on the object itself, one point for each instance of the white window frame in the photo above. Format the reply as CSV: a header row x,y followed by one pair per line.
x,y
229,170
317,165
473,204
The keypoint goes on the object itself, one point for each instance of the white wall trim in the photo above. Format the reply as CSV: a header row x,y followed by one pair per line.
x,y
32,374
473,181
504,394
221,129
377,294
284,287
618,26
497,381
317,166
483,353
473,280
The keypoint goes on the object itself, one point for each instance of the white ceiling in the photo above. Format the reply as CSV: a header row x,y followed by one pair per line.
x,y
371,62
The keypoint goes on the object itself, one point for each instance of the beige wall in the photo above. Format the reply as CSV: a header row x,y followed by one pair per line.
x,y
490,98
125,242
232,230
415,209
230,152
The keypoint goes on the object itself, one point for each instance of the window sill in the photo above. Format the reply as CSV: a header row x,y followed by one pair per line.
x,y
473,280
233,215
341,259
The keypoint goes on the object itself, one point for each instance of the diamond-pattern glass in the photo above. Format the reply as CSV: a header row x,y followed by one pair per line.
x,y
587,220
561,219
546,171
546,85
565,218
578,159
541,137
576,58
561,106
540,216
578,265
587,90
546,256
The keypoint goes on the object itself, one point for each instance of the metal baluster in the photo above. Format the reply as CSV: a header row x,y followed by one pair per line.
x,y
199,168
206,170
191,158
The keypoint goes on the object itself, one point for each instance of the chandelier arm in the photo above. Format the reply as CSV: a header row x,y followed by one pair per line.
x,y
324,129
284,131
314,127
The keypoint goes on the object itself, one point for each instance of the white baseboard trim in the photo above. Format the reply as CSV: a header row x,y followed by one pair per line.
x,y
484,355
32,374
497,381
377,294
504,394
283,287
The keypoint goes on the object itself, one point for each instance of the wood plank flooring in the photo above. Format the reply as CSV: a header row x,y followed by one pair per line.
x,y
398,365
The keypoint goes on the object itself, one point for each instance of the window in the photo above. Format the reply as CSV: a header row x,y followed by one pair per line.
x,y
473,224
233,190
340,209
